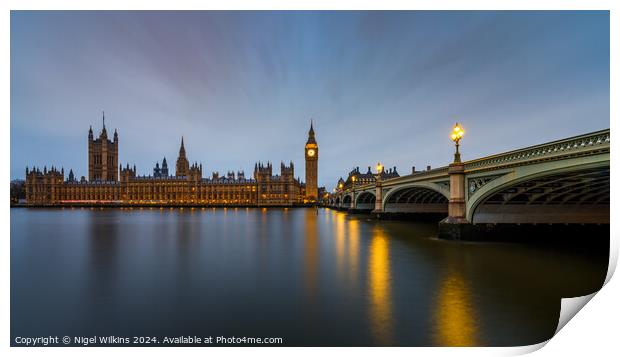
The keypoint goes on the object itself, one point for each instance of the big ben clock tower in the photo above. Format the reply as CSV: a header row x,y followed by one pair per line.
x,y
312,160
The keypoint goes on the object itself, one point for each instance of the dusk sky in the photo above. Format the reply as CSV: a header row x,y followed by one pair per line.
x,y
242,86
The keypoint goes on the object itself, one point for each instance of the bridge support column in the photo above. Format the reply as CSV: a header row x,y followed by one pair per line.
x,y
378,198
456,226
352,206
456,207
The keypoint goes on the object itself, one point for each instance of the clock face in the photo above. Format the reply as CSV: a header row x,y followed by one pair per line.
x,y
311,152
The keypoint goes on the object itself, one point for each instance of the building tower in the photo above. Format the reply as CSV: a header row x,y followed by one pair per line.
x,y
164,168
102,156
182,162
312,160
156,171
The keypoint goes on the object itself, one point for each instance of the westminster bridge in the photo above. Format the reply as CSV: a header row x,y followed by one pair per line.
x,y
560,182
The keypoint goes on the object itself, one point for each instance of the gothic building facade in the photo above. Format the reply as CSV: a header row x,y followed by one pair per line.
x,y
109,184
312,163
102,156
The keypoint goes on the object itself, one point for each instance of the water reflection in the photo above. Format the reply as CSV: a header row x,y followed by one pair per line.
x,y
348,280
311,255
379,280
354,251
339,234
455,317
103,255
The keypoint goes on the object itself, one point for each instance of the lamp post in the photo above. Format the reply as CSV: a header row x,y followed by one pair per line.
x,y
456,226
456,135
378,190
340,196
353,178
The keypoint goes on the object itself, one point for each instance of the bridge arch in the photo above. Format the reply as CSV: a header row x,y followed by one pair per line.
x,y
574,192
365,201
346,201
421,197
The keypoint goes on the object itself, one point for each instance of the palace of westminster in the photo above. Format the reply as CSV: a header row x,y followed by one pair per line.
x,y
109,183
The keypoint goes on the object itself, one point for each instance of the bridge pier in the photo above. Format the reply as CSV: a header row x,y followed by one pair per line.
x,y
456,230
378,197
456,226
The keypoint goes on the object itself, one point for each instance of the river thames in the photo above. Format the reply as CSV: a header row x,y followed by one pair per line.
x,y
311,278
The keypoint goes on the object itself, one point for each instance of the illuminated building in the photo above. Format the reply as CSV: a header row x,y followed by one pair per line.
x,y
312,163
102,156
365,178
107,186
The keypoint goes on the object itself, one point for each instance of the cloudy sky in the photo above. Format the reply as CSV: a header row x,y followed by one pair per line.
x,y
242,86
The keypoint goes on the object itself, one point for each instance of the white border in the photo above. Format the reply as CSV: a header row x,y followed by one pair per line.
x,y
593,330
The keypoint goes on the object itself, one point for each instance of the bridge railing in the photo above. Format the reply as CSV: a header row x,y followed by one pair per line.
x,y
423,175
555,148
565,147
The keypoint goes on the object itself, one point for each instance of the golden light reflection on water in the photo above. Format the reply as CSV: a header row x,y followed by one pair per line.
x,y
311,254
340,233
455,317
379,281
353,243
346,233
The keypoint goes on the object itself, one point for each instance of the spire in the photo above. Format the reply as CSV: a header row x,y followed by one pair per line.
x,y
311,139
104,133
182,149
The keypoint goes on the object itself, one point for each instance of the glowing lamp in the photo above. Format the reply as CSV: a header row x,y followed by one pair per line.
x,y
456,135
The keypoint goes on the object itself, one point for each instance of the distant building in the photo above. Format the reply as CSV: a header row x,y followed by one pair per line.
x,y
109,185
18,191
365,178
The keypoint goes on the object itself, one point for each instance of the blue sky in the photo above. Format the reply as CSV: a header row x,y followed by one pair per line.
x,y
242,86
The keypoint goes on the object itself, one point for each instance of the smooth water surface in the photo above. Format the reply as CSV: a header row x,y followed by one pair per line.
x,y
314,279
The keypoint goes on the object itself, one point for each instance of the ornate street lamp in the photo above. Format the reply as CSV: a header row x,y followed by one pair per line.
x,y
456,135
379,172
378,191
353,178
